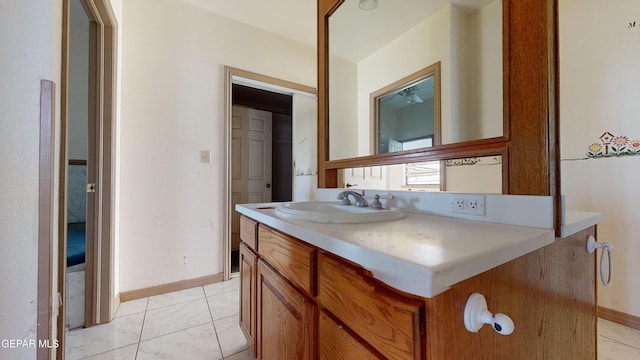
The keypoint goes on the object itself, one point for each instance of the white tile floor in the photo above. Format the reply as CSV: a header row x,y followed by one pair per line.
x,y
202,323
197,323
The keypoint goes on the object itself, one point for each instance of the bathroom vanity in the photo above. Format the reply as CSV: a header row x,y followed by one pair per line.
x,y
398,289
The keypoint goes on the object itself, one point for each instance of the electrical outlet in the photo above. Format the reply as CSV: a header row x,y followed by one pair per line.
x,y
468,204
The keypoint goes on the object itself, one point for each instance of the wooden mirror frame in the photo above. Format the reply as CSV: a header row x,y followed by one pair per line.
x,y
530,143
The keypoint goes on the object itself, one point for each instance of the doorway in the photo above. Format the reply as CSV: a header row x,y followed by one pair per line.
x,y
261,152
87,123
79,145
248,94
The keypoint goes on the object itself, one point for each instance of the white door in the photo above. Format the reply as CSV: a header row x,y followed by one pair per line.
x,y
251,162
370,177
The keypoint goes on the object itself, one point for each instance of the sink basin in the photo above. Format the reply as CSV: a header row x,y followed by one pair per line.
x,y
335,212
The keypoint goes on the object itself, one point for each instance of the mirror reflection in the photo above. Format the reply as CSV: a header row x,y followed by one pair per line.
x,y
406,114
469,175
370,49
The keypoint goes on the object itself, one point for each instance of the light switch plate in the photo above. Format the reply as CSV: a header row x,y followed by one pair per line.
x,y
205,156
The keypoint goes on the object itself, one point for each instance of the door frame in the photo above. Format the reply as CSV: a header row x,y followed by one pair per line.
x,y
102,103
233,75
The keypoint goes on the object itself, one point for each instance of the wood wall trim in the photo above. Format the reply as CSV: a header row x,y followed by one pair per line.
x,y
229,74
476,148
170,287
270,80
619,317
531,118
45,301
62,177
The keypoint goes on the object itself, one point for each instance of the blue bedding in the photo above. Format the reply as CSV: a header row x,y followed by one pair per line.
x,y
76,244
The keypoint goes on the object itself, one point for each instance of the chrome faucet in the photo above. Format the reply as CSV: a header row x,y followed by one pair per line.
x,y
359,199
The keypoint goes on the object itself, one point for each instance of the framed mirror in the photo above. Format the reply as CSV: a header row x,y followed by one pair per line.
x,y
405,115
527,140
370,49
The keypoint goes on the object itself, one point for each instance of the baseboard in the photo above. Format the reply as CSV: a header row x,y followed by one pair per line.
x,y
619,317
170,287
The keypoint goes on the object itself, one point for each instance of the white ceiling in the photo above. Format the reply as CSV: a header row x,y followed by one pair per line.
x,y
293,19
296,19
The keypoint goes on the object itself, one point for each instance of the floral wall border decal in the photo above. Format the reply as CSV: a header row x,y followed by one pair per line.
x,y
613,146
495,160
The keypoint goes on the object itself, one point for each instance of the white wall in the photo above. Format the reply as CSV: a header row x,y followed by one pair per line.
x,y
599,92
478,49
78,131
171,205
305,146
343,112
30,43
484,176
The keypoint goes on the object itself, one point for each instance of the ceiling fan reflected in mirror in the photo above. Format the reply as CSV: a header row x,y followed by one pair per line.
x,y
409,95
368,4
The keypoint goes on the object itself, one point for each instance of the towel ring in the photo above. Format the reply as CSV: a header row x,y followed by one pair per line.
x,y
607,249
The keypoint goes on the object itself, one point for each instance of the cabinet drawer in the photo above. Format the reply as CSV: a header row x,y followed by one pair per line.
x,y
248,232
337,342
389,322
292,258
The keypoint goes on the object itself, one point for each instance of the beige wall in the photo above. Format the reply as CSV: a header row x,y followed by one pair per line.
x,y
599,92
171,205
30,42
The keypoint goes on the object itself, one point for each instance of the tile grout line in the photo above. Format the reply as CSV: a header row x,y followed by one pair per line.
x,y
634,333
144,317
213,323
619,342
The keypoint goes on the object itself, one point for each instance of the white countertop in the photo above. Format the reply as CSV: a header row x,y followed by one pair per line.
x,y
575,221
421,254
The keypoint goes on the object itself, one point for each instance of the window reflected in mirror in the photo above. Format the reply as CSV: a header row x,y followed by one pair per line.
x,y
406,114
469,175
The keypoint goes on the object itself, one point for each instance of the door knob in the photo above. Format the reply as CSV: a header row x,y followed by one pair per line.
x,y
268,186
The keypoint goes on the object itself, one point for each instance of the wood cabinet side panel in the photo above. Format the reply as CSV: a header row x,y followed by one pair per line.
x,y
549,294
390,323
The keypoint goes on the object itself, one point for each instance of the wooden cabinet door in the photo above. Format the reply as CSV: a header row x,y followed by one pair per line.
x,y
248,261
337,342
391,323
287,319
